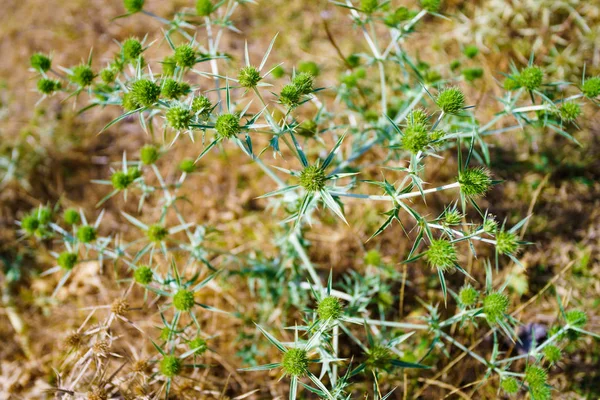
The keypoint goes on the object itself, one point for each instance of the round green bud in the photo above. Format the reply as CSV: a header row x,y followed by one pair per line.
x,y
201,105
171,89
157,233
455,64
576,318
82,75
87,234
570,111
132,48
441,254
312,178
30,223
185,56
108,75
531,78
432,76
309,67
143,275
379,357
149,154
512,82
471,74
129,102
507,242
133,6
199,344
591,87
401,14
490,225
452,217
188,166
169,65
451,100
278,72
71,216
329,308
349,80
290,96
228,126
40,62
510,385
535,376
369,6
495,306
307,128
468,295
304,82
373,257
353,60
471,51
170,366
48,86
249,77
415,138
134,173
204,7
474,182
183,300
417,116
431,5
44,215
120,180
541,393
145,92
552,354
178,117
295,362
67,260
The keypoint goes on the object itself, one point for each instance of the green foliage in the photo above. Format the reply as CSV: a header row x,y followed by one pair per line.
x,y
471,51
204,7
378,358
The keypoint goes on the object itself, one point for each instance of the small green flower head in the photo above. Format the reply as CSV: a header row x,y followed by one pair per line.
x,y
87,234
495,306
44,215
169,64
157,233
552,354
134,173
507,242
30,223
451,100
71,216
570,111
295,362
312,178
452,217
201,105
171,89
431,5
541,393
67,260
228,126
143,275
40,62
179,118
48,86
472,74
132,48
204,7
416,138
591,87
188,166
471,51
474,182
455,64
149,154
133,6
576,318
108,75
329,308
185,56
170,366
278,72
120,180
468,295
304,82
535,376
373,257
83,75
307,128
183,300
510,385
512,82
290,96
199,344
249,77
490,225
531,78
378,357
441,254
129,102
353,60
399,15
417,116
369,6
145,92
309,67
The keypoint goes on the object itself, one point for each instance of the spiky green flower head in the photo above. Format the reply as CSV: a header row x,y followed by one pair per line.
x,y
531,78
552,354
373,257
157,233
199,344
417,116
307,128
474,182
304,82
30,223
87,234
67,260
329,308
201,105
507,242
131,49
535,376
415,138
512,82
576,318
495,306
541,392
312,178
379,357
295,362
44,215
455,64
401,14
471,51
149,154
145,92
353,60
510,385
40,62
451,100
121,180
591,87
169,64
278,72
133,6
369,6
83,75
183,300
185,56
290,96
468,295
143,275
471,74
71,216
171,89
249,77
432,76
204,7
108,75
129,102
441,254
431,5
134,173
490,225
178,117
170,366
48,86
228,126
188,166
569,111
452,217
